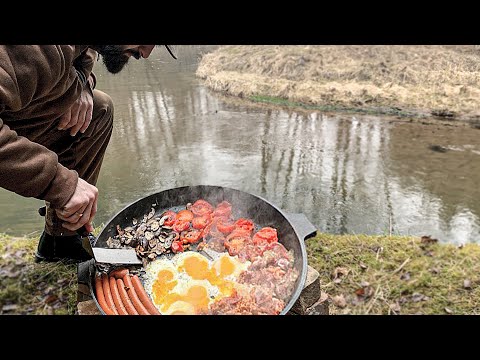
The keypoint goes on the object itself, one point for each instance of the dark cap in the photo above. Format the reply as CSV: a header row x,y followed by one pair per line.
x,y
171,49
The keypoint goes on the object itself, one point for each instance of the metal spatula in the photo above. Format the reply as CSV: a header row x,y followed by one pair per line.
x,y
105,255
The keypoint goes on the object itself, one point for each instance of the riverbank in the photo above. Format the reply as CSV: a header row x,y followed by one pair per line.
x,y
409,81
359,275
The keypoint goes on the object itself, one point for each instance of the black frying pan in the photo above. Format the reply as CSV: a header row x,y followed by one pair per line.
x,y
292,229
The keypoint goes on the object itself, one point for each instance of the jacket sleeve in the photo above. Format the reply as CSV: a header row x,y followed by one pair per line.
x,y
27,168
84,65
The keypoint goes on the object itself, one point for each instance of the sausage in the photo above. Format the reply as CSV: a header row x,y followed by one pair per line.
x,y
108,294
142,294
116,297
133,296
125,299
119,273
101,296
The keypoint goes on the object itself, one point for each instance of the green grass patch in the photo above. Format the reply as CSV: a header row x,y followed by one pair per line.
x,y
334,108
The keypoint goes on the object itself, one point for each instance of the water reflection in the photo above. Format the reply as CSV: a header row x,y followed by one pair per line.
x,y
349,174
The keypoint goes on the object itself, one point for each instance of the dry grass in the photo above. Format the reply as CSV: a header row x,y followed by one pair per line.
x,y
436,79
30,288
396,275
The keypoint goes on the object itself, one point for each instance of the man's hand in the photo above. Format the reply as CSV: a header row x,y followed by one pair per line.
x,y
81,208
78,117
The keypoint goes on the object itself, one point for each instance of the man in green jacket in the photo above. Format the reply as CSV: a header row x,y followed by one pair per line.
x,y
54,130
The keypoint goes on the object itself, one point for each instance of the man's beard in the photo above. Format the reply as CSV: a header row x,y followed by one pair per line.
x,y
113,57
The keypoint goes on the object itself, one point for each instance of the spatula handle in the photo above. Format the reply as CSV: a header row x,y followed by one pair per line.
x,y
83,231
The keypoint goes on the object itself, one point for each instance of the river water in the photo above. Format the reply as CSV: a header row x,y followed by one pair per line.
x,y
347,173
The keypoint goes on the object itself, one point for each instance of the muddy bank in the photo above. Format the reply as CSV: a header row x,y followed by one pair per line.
x,y
413,81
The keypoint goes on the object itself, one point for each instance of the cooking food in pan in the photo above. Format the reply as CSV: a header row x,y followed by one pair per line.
x,y
249,271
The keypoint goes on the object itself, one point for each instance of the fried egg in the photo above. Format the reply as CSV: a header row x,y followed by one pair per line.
x,y
194,265
229,267
188,283
180,308
194,293
162,276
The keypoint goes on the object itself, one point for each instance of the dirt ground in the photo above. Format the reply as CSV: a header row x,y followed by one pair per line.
x,y
413,80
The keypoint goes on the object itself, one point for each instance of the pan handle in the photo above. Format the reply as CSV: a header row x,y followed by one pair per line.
x,y
83,231
302,225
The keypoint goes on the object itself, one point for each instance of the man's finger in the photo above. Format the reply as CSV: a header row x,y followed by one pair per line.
x,y
80,122
74,217
86,215
64,120
74,118
72,209
71,219
89,227
82,221
88,119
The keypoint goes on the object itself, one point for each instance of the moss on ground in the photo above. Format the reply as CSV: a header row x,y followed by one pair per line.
x,y
391,274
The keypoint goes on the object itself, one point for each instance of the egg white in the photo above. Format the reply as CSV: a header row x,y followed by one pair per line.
x,y
185,281
180,308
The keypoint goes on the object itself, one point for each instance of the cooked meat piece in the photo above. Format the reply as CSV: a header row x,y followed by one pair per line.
x,y
284,287
250,252
262,295
235,245
273,278
283,264
256,302
270,258
216,243
279,250
260,277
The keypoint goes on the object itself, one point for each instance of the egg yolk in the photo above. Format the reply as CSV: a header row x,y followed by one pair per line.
x,y
162,285
226,267
197,268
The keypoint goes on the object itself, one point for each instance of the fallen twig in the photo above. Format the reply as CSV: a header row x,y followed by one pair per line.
x,y
401,266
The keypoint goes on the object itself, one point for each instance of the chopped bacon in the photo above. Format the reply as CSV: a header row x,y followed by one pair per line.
x,y
283,263
258,301
280,281
216,243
